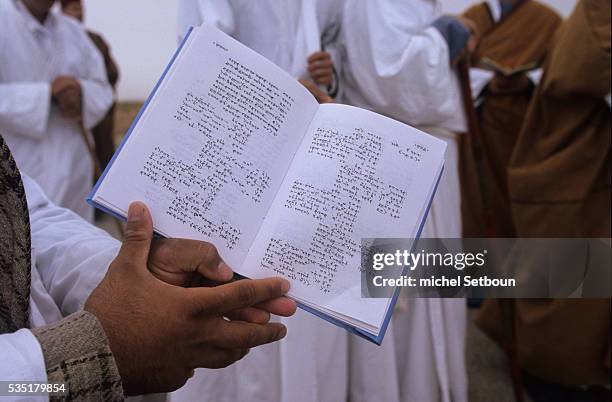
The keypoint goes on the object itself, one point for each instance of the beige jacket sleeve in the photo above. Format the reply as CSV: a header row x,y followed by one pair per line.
x,y
77,352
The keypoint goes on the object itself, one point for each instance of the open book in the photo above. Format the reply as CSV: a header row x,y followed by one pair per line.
x,y
232,150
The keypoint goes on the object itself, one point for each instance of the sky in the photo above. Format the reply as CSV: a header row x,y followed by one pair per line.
x,y
142,35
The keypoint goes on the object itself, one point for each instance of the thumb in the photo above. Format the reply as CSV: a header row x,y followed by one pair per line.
x,y
138,235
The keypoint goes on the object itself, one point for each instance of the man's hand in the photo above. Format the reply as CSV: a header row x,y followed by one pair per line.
x,y
192,263
472,43
320,95
160,332
66,92
321,68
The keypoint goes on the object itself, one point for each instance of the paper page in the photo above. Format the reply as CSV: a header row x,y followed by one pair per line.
x,y
356,175
212,148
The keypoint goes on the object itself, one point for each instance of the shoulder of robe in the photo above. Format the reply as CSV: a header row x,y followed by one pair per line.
x,y
598,14
480,15
545,13
99,41
74,28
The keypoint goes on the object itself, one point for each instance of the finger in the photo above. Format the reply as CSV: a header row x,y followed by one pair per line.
x,y
325,81
59,86
138,236
282,306
327,65
318,56
250,314
241,335
236,295
180,256
322,75
66,86
309,85
320,96
323,72
68,111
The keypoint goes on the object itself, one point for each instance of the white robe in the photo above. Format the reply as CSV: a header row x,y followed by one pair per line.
x,y
46,146
69,259
398,65
311,364
284,31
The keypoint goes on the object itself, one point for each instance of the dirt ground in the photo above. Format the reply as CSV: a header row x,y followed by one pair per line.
x,y
124,115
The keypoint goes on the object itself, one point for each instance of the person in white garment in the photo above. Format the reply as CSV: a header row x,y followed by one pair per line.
x,y
108,319
300,36
399,62
53,87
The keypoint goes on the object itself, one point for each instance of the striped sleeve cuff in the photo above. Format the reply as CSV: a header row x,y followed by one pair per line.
x,y
77,352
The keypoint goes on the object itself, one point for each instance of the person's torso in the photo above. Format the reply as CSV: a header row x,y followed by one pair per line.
x,y
40,53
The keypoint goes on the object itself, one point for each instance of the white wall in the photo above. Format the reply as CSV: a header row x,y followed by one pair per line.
x,y
142,35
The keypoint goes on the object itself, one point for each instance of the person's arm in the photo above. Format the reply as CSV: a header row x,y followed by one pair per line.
x,y
330,42
455,33
123,341
218,13
410,77
329,14
188,16
96,91
74,351
25,108
77,352
72,256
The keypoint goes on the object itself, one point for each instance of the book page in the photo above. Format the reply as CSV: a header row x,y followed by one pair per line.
x,y
356,175
213,146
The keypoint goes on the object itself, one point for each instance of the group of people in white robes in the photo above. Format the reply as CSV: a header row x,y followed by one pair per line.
x,y
395,58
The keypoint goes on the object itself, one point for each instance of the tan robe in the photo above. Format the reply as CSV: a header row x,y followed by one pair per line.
x,y
559,181
519,38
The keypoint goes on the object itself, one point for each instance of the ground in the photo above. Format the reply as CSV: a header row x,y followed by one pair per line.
x,y
124,115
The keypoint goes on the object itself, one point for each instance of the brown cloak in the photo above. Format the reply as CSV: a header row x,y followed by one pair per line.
x,y
559,180
520,38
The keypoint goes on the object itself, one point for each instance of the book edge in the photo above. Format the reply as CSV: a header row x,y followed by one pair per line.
x,y
383,330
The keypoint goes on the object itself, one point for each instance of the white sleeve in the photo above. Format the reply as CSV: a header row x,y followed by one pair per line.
x,y
21,358
535,76
25,108
329,14
479,79
188,16
410,77
218,13
71,255
97,92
